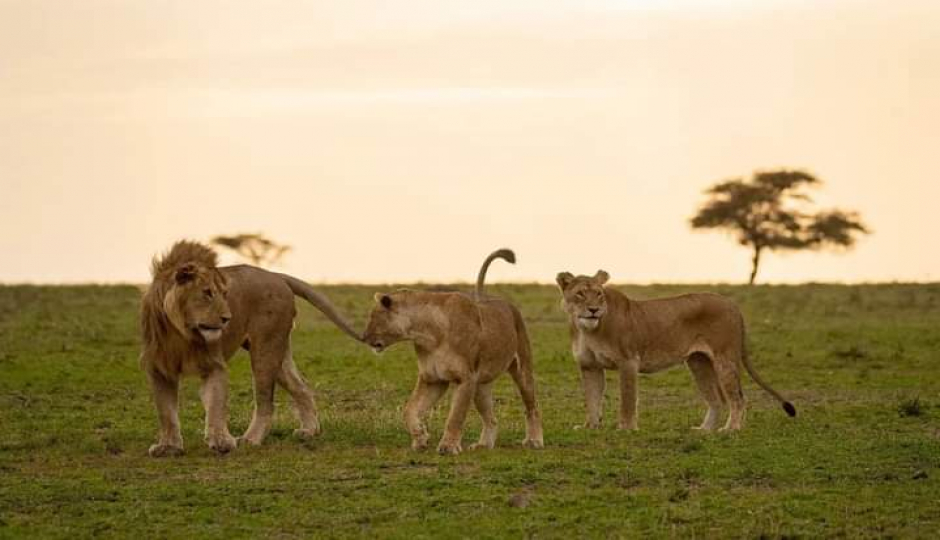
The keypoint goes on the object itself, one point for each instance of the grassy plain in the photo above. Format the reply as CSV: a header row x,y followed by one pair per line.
x,y
862,459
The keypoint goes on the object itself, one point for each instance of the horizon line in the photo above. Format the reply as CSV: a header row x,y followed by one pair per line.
x,y
470,284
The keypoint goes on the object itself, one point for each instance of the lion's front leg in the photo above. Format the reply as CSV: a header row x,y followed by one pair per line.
x,y
463,396
629,396
484,402
214,394
166,398
424,396
593,383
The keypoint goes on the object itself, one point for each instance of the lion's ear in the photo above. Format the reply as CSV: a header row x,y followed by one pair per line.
x,y
564,279
185,273
384,299
601,277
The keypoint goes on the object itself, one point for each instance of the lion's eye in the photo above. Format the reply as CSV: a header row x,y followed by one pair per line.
x,y
207,292
580,296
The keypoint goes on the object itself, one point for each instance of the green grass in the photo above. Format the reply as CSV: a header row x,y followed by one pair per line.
x,y
862,459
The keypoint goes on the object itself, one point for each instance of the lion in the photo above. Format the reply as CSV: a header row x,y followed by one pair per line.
x,y
611,331
464,341
195,316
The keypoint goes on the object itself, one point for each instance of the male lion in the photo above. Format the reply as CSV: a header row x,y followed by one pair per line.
x,y
464,340
611,331
194,316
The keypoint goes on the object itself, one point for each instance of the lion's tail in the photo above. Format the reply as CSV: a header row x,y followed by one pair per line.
x,y
320,302
745,358
504,254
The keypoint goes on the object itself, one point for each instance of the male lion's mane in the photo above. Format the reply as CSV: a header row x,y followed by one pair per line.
x,y
157,333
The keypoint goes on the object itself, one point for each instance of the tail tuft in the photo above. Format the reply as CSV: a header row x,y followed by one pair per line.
x,y
791,410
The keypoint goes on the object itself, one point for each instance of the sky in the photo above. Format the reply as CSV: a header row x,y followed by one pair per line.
x,y
404,141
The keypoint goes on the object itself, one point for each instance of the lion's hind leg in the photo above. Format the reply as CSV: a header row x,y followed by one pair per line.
x,y
290,379
729,380
484,404
521,372
707,381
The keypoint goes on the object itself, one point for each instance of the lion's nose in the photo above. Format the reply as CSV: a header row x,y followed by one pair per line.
x,y
593,310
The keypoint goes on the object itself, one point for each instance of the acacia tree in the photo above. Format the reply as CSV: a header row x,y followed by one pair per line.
x,y
768,212
256,248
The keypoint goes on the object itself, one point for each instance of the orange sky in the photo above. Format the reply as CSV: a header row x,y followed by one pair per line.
x,y
403,141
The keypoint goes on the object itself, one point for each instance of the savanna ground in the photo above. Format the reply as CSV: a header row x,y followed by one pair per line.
x,y
862,459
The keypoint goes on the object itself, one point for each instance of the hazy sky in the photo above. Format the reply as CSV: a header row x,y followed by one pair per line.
x,y
403,141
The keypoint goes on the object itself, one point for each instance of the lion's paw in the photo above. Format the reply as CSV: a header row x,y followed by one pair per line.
x,y
222,443
245,440
307,433
165,450
588,425
481,446
534,444
448,448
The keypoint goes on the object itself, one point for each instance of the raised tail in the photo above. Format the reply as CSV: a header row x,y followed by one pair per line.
x,y
320,302
745,358
504,254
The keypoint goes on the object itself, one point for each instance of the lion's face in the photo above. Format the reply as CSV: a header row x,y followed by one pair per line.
x,y
197,304
387,325
583,298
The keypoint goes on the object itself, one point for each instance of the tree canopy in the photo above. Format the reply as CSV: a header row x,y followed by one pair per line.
x,y
258,249
768,212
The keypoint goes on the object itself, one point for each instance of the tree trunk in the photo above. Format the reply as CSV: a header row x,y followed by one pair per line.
x,y
755,263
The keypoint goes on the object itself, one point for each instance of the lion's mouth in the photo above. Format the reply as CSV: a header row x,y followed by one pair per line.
x,y
378,346
589,322
209,332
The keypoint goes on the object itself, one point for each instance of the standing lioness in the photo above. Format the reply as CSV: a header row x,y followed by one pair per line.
x,y
461,340
194,316
611,331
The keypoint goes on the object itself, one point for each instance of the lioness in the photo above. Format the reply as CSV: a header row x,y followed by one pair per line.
x,y
464,340
611,331
194,316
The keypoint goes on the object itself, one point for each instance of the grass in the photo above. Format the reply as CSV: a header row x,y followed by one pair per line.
x,y
862,459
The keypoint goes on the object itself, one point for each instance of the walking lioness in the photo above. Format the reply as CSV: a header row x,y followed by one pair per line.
x,y
195,315
461,340
611,331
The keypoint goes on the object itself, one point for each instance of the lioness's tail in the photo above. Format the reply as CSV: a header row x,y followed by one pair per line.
x,y
320,302
504,254
787,406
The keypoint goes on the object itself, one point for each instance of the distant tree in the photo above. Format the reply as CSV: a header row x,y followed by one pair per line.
x,y
256,248
764,214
